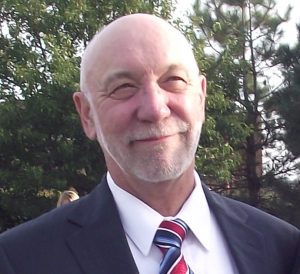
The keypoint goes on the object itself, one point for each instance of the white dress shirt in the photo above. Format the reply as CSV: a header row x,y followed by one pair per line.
x,y
204,247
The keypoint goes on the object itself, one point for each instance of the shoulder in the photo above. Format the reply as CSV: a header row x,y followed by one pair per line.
x,y
59,222
244,225
46,224
27,246
237,212
32,247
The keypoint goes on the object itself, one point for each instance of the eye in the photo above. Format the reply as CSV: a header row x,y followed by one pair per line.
x,y
123,91
175,84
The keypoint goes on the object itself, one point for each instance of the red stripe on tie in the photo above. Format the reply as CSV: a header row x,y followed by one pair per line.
x,y
175,227
168,239
180,267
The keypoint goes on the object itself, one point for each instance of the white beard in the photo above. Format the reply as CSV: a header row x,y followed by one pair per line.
x,y
152,165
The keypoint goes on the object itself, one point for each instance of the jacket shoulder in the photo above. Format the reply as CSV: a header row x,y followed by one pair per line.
x,y
257,217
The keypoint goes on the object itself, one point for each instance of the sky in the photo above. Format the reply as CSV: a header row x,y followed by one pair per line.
x,y
290,36
290,32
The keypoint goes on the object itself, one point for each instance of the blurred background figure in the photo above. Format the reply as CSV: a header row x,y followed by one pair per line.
x,y
67,196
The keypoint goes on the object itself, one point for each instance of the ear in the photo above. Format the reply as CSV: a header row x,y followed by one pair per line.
x,y
202,81
84,110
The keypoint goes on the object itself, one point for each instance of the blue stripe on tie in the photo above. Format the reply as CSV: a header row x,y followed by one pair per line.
x,y
165,238
169,259
169,242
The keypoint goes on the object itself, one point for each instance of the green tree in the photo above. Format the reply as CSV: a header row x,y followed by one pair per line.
x,y
286,102
42,146
241,36
284,106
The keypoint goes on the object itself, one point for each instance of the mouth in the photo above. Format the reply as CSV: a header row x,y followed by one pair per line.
x,y
152,140
157,134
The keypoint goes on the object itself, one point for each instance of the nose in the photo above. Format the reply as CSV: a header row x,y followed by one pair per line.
x,y
153,104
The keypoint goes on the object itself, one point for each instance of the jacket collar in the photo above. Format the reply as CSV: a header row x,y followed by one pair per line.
x,y
99,243
245,243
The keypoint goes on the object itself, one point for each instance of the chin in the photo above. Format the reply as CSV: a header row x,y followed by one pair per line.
x,y
160,174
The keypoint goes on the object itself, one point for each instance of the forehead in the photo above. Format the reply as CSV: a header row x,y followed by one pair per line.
x,y
147,45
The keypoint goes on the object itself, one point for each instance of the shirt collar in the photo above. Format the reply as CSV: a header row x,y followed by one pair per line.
x,y
140,221
196,214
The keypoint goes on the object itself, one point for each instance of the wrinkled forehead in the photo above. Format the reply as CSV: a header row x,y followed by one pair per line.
x,y
136,37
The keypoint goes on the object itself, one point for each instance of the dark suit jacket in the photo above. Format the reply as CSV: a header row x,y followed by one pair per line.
x,y
87,237
297,265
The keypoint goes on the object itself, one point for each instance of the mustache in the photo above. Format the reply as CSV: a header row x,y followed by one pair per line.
x,y
157,130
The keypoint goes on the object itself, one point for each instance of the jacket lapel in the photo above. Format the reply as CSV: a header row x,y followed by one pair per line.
x,y
99,243
245,243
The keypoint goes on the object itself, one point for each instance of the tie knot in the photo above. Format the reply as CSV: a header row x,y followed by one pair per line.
x,y
168,239
170,234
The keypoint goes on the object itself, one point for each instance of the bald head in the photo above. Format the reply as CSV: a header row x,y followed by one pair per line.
x,y
143,99
135,35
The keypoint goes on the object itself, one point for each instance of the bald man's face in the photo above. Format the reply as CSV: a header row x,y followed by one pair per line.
x,y
146,100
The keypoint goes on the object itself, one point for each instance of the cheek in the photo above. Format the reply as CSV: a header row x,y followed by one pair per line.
x,y
188,107
115,119
196,108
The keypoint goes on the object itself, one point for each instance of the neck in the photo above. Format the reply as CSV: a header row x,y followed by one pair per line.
x,y
166,198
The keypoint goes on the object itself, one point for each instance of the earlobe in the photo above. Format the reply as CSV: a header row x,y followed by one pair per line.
x,y
83,108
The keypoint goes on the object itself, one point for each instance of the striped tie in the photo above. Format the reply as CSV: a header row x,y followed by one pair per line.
x,y
168,239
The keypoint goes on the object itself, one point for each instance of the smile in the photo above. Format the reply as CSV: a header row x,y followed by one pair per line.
x,y
154,139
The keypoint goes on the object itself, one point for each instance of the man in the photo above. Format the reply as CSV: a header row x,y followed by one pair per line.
x,y
142,98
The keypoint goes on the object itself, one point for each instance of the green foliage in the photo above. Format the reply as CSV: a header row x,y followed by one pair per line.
x,y
235,45
286,102
42,146
218,155
240,37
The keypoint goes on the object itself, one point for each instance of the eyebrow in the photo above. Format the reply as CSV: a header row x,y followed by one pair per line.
x,y
118,74
178,67
175,67
189,72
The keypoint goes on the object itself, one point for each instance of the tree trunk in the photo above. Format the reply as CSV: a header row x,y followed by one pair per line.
x,y
254,167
